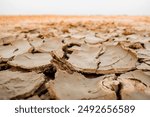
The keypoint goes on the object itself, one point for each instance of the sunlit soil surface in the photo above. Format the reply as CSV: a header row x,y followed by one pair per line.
x,y
74,57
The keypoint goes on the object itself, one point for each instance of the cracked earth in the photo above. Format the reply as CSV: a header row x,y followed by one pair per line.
x,y
75,58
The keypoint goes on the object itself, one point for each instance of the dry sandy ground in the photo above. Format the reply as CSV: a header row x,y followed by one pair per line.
x,y
75,57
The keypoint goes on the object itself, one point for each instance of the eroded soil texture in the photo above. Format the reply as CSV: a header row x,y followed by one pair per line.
x,y
83,58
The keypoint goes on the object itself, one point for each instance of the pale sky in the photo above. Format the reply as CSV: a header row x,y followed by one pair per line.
x,y
75,7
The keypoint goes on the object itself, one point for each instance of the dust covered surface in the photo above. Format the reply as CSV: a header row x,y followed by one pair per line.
x,y
75,57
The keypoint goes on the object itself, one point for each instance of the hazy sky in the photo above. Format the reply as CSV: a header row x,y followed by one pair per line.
x,y
75,7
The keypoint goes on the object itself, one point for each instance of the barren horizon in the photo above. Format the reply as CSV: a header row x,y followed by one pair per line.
x,y
78,7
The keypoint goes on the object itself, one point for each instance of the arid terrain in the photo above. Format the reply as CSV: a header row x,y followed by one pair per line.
x,y
75,57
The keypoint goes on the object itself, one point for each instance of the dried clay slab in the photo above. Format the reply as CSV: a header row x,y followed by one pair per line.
x,y
116,59
83,38
76,86
35,42
16,48
136,38
92,39
84,58
31,61
15,84
135,85
102,59
49,45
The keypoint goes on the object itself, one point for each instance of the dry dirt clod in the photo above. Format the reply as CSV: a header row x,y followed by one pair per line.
x,y
19,85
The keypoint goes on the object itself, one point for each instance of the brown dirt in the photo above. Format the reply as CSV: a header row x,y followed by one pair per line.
x,y
75,57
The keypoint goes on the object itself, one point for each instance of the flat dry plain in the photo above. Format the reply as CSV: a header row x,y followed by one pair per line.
x,y
75,57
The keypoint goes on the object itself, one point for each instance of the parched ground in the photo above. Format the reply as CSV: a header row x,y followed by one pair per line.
x,y
75,57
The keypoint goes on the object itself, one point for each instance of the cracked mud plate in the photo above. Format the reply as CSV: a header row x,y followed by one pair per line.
x,y
102,59
135,85
76,86
31,61
15,84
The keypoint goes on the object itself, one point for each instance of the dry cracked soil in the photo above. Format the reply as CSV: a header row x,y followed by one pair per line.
x,y
74,58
